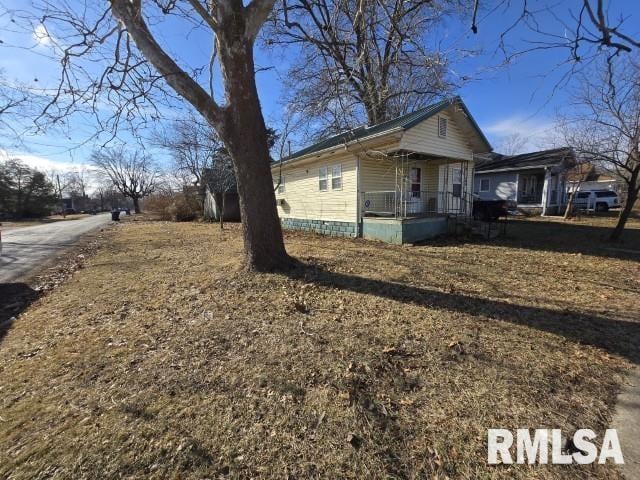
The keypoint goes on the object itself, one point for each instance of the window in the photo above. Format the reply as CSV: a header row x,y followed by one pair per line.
x,y
606,194
442,127
281,185
322,179
456,182
416,184
583,195
485,184
336,177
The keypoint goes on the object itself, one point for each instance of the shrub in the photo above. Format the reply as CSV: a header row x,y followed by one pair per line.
x,y
176,207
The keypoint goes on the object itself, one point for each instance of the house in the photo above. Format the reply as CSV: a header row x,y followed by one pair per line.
x,y
533,182
399,181
213,204
220,192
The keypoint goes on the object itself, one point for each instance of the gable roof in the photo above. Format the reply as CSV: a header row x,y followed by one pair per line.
x,y
543,158
401,123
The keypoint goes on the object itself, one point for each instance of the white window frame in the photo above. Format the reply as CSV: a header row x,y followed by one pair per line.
x,y
323,177
443,126
488,189
333,177
456,172
281,188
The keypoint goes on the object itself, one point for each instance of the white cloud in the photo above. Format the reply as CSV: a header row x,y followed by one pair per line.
x,y
41,35
44,164
538,133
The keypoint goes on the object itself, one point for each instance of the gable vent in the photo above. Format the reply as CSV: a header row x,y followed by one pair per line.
x,y
442,127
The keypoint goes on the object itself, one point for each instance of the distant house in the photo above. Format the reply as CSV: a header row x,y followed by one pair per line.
x,y
399,181
219,187
533,182
213,206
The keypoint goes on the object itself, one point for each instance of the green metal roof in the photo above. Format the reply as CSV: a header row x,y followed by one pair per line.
x,y
403,122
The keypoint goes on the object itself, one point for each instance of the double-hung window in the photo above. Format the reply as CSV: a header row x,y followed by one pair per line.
x,y
336,177
456,183
322,179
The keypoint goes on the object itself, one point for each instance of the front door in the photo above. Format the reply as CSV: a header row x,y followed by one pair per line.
x,y
414,198
450,188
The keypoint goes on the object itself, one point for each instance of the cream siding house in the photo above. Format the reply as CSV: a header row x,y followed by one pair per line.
x,y
399,181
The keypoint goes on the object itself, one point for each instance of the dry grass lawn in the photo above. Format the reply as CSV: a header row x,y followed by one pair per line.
x,y
162,359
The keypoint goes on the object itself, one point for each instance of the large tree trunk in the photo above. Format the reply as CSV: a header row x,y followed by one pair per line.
x,y
136,204
625,213
245,136
240,123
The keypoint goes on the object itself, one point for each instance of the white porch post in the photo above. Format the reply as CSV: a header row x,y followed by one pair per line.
x,y
395,197
545,191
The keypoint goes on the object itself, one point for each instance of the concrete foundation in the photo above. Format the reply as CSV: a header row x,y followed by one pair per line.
x,y
325,227
405,230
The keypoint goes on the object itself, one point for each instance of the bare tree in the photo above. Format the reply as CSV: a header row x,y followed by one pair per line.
x,y
78,181
133,174
361,60
192,145
513,144
60,181
588,30
604,127
220,180
13,100
110,55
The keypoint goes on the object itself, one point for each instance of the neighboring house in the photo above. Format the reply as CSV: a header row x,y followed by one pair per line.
x,y
533,182
219,182
213,206
398,181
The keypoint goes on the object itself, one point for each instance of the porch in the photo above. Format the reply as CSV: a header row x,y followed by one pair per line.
x,y
422,193
541,189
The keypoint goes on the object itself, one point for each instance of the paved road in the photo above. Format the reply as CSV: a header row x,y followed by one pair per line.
x,y
27,248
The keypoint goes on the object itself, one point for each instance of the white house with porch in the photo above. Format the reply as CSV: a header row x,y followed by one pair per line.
x,y
533,182
399,181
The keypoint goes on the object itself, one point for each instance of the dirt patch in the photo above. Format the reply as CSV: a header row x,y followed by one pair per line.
x,y
162,358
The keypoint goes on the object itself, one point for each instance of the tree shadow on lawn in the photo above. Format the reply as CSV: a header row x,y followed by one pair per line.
x,y
616,336
565,237
14,298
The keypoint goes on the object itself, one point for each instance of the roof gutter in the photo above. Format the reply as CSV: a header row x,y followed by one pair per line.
x,y
337,147
511,169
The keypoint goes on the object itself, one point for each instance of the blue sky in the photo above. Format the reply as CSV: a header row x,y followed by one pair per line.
x,y
519,97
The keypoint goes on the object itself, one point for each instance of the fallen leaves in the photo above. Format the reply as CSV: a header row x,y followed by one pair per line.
x,y
162,358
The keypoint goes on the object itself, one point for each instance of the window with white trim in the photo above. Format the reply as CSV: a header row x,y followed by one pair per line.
x,y
322,179
485,184
456,182
336,177
442,126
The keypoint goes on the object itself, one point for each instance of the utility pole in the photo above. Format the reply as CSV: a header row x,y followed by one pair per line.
x,y
64,215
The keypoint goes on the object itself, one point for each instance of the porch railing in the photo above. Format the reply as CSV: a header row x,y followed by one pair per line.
x,y
414,204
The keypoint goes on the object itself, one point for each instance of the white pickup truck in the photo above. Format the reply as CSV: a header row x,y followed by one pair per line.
x,y
598,200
